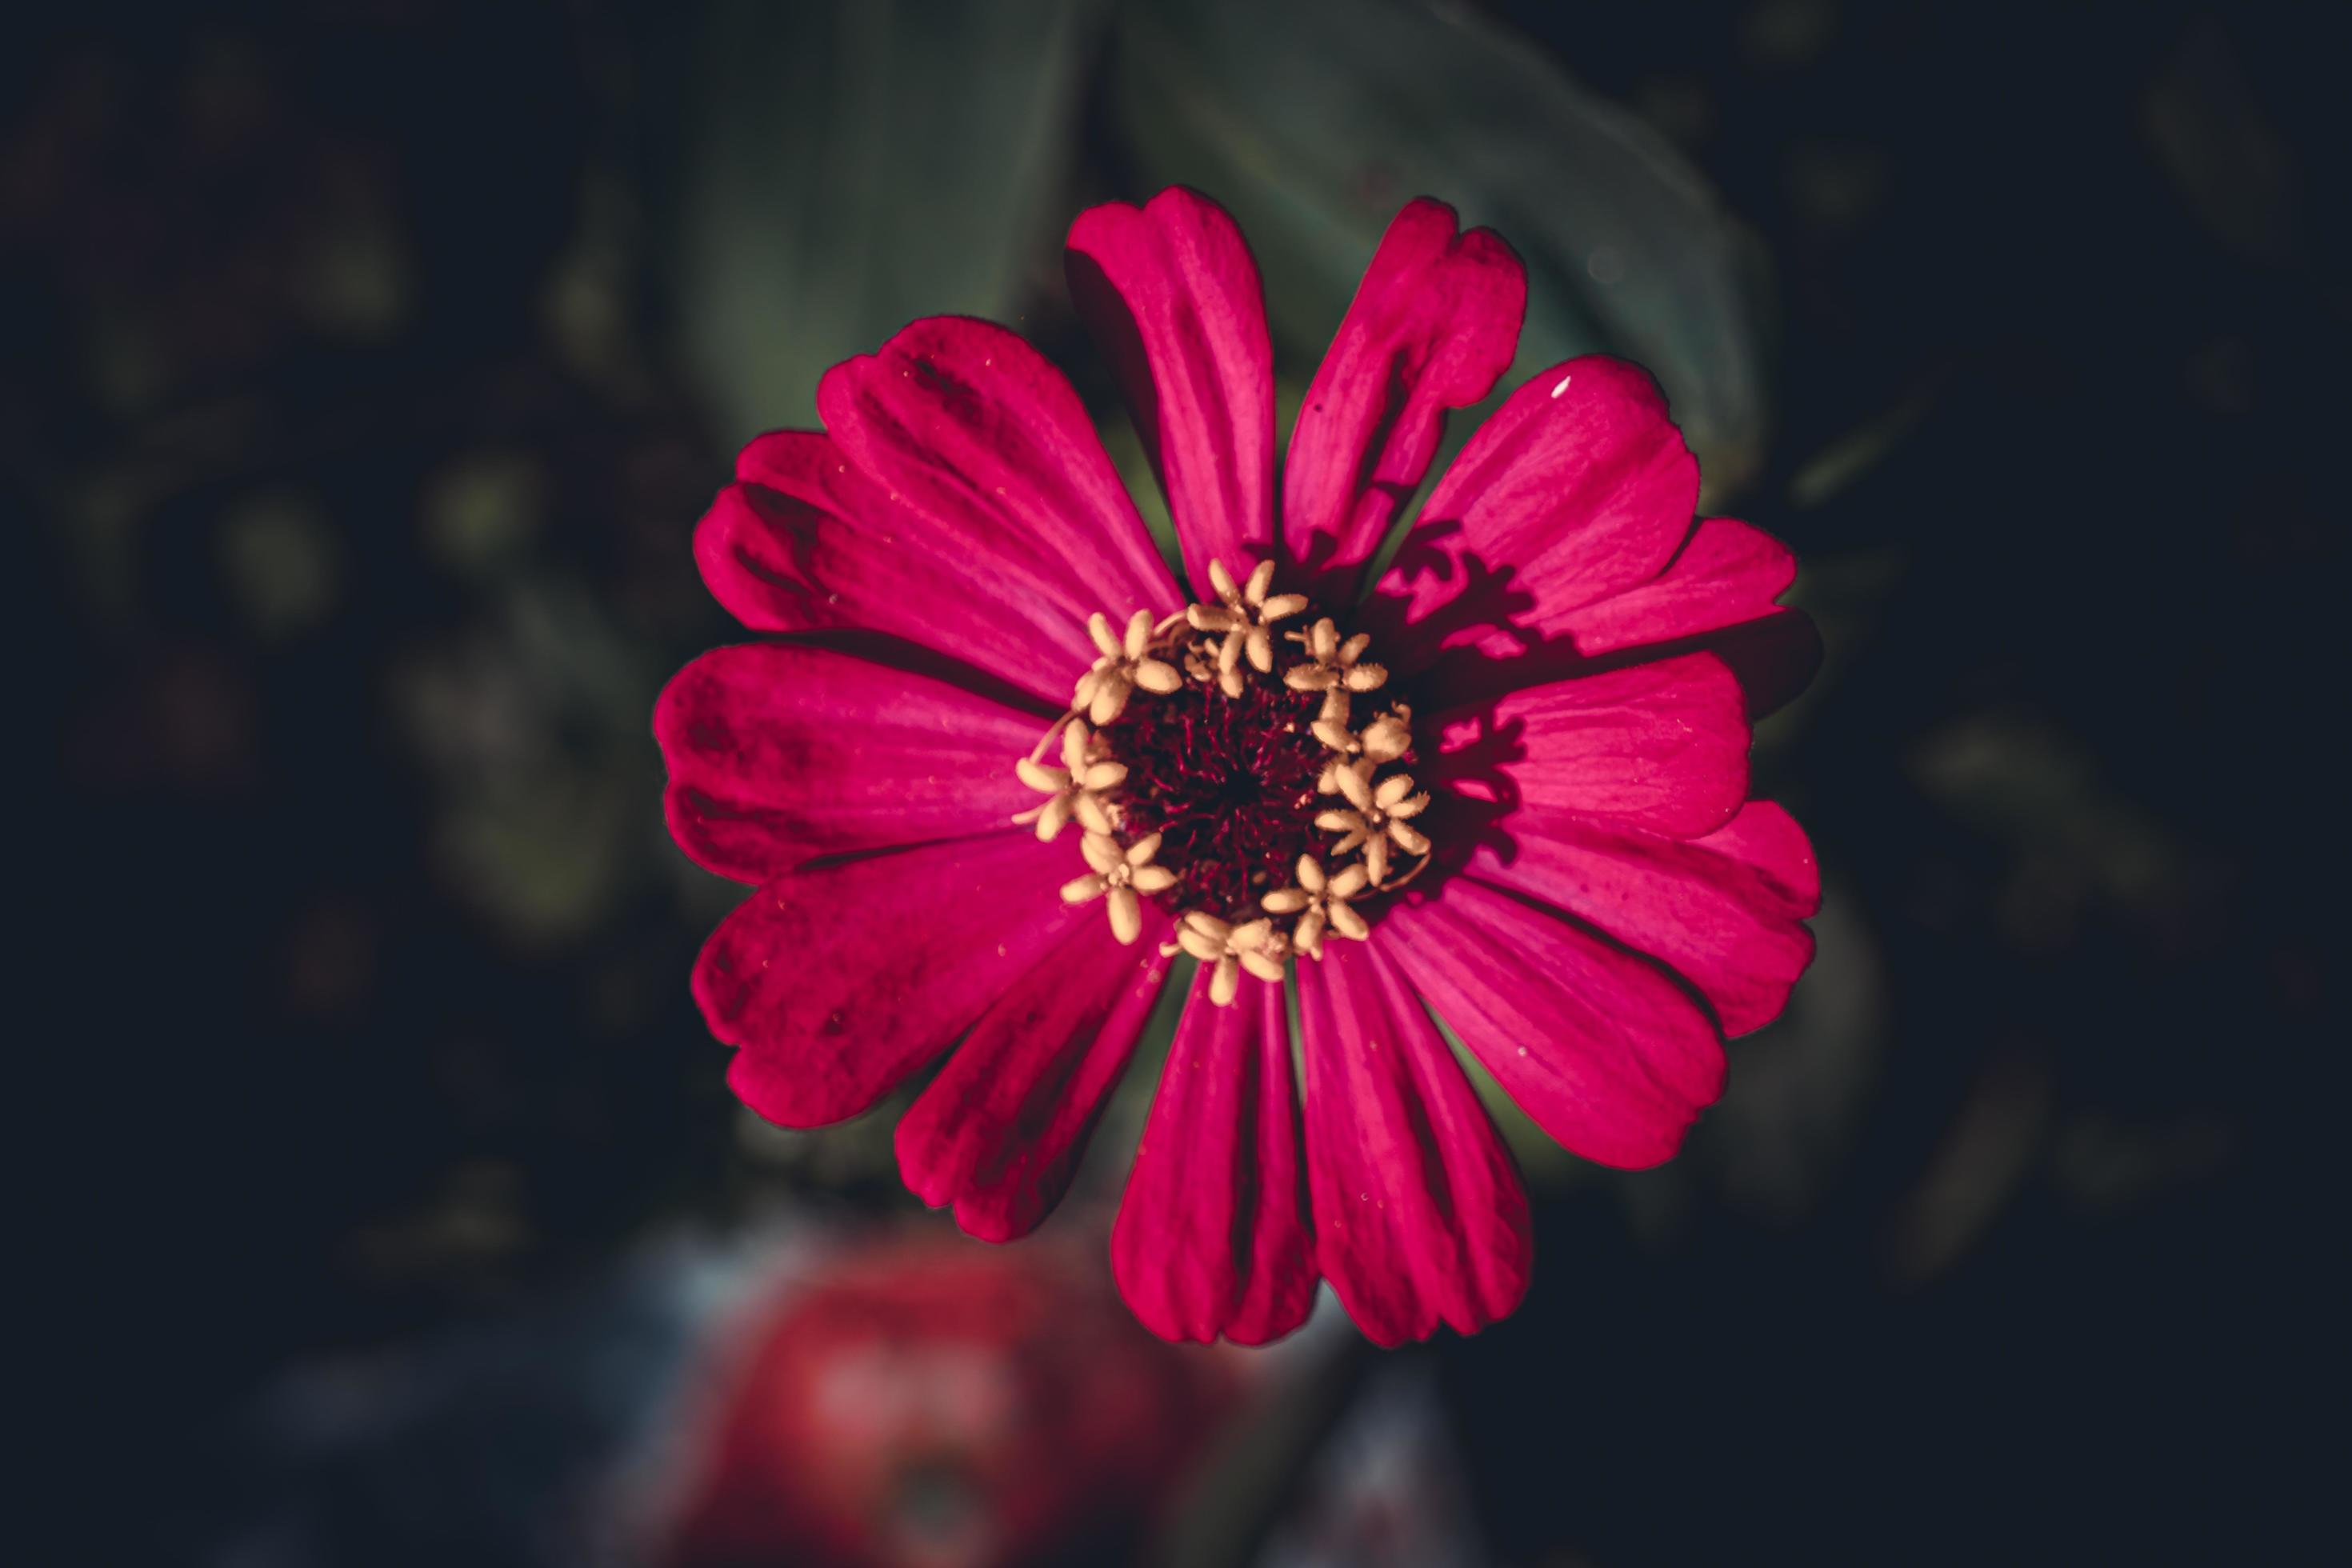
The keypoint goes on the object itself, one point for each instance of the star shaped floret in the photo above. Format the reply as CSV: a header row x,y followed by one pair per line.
x,y
1120,873
1124,663
1076,789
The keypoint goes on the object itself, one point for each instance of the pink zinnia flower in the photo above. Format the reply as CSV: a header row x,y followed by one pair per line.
x,y
1506,785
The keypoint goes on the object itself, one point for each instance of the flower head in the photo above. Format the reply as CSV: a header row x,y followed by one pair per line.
x,y
914,1402
1509,775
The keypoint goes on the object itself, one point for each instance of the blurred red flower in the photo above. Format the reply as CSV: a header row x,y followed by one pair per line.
x,y
943,1407
1505,779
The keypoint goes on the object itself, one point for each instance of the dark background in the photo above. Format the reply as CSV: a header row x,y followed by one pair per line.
x,y
367,365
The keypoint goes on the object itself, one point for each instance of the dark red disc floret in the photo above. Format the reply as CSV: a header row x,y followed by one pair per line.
x,y
1229,783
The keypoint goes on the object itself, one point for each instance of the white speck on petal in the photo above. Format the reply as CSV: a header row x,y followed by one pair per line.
x,y
1562,387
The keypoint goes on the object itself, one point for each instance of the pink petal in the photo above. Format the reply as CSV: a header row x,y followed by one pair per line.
x,y
1211,1237
999,1132
802,541
1599,1046
1727,572
1579,487
971,428
1727,911
1719,592
1433,327
1717,595
1171,295
839,981
778,753
1419,1214
1661,746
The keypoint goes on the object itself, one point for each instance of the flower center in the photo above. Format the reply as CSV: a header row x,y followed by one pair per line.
x,y
1238,764
1227,782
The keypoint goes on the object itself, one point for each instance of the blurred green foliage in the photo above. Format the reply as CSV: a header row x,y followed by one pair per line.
x,y
851,167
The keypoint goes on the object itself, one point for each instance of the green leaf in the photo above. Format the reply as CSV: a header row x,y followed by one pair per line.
x,y
1316,120
855,164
